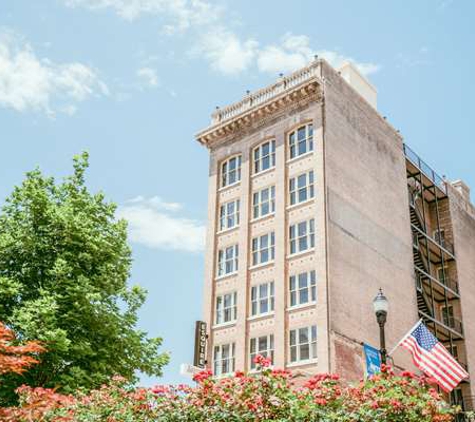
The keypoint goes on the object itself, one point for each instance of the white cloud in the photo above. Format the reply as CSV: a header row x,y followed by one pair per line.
x,y
153,222
30,83
148,76
226,52
294,52
181,14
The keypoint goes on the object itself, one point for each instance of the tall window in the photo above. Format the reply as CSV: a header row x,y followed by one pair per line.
x,y
231,171
228,260
262,298
223,359
264,346
303,344
301,188
302,236
448,315
263,249
226,308
264,156
301,141
263,202
229,215
303,288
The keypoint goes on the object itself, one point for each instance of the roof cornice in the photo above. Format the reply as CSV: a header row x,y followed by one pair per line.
x,y
300,86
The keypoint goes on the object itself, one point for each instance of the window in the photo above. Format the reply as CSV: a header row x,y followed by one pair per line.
x,y
301,141
228,260
226,308
448,315
303,288
264,346
231,171
262,298
443,274
263,202
303,344
302,236
223,359
263,249
301,188
264,156
229,215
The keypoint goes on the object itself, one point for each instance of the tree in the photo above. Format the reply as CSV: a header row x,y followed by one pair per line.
x,y
64,266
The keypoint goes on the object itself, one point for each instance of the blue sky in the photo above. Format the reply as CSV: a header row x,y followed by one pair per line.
x,y
131,81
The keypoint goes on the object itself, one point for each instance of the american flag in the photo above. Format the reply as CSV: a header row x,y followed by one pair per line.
x,y
431,357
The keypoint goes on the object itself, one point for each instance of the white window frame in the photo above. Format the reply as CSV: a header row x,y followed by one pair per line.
x,y
263,246
299,145
302,241
258,204
262,295
296,291
227,219
297,345
264,162
255,348
224,365
302,185
229,176
226,308
228,257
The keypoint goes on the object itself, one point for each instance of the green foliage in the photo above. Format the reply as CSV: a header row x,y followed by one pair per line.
x,y
64,265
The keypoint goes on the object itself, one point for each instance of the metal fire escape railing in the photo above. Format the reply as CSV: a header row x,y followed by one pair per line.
x,y
426,283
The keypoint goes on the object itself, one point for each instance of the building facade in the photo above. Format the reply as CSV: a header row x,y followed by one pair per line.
x,y
315,203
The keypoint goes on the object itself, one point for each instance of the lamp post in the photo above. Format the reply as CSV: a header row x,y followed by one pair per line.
x,y
381,306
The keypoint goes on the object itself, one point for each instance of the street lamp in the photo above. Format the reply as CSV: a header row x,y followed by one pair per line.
x,y
381,306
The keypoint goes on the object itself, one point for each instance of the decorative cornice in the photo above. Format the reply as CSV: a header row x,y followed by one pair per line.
x,y
301,86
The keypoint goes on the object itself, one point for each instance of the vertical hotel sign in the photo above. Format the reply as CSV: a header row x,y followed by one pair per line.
x,y
200,344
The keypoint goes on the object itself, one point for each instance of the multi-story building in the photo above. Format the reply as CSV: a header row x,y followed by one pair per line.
x,y
315,203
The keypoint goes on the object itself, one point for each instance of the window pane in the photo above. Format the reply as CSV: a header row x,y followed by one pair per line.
x,y
304,352
293,337
303,335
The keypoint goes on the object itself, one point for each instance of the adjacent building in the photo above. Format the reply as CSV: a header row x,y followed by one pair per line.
x,y
315,202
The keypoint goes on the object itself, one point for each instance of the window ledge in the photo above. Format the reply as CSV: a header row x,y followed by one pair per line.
x,y
224,276
302,306
224,188
302,363
224,325
301,204
228,230
263,217
270,169
262,265
261,316
299,254
298,157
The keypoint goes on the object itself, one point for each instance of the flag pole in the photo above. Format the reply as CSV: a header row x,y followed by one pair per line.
x,y
405,337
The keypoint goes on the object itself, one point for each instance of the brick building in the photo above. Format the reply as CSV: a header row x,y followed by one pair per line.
x,y
315,202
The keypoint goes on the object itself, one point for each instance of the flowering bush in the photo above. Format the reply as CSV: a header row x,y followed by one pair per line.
x,y
267,395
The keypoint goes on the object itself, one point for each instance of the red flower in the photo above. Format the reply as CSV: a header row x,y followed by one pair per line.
x,y
202,376
262,361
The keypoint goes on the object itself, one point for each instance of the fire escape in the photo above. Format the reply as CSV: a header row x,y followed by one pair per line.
x,y
435,266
